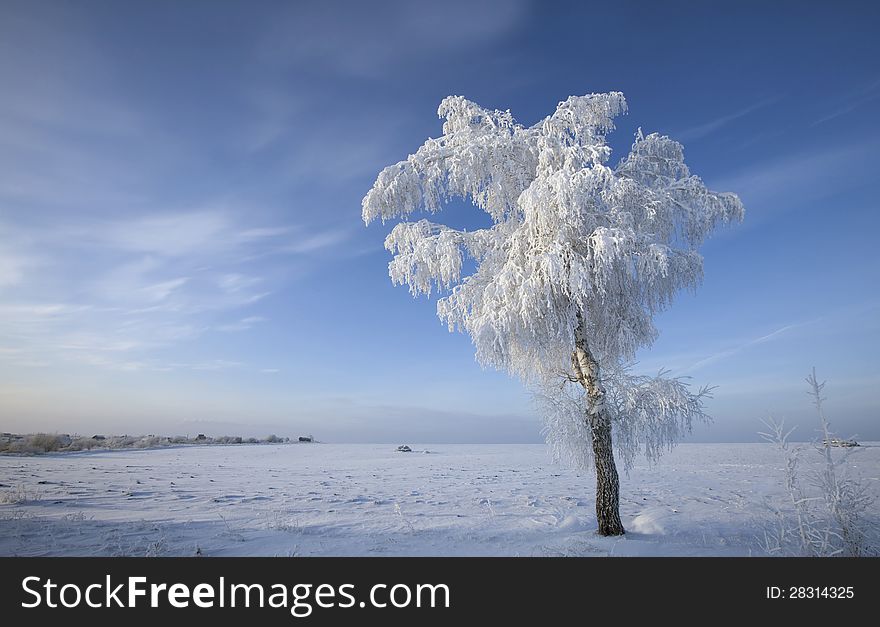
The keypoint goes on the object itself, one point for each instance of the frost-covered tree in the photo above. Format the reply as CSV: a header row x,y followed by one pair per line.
x,y
579,258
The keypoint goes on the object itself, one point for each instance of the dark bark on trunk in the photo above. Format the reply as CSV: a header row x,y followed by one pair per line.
x,y
607,482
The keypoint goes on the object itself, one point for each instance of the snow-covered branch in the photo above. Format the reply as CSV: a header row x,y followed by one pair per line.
x,y
649,415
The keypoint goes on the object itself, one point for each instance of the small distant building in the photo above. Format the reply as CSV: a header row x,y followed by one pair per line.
x,y
306,438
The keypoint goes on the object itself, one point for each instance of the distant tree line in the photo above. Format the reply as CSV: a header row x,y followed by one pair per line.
x,y
35,443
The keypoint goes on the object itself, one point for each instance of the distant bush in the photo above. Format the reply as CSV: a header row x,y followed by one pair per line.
x,y
82,444
273,439
36,443
125,441
228,439
45,442
151,441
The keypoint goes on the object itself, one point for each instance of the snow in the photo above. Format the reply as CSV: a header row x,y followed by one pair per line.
x,y
370,500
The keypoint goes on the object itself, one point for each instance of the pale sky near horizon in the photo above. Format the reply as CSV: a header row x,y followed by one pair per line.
x,y
181,247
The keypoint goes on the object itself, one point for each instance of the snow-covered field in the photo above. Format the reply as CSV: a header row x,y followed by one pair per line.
x,y
334,499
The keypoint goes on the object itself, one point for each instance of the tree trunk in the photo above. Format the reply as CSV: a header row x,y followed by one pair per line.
x,y
607,483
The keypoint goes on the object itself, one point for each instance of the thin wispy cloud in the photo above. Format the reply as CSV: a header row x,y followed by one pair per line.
x,y
68,137
170,235
852,101
216,364
352,154
742,347
116,255
707,128
235,282
370,40
310,136
317,241
129,287
274,110
244,324
162,290
12,267
771,187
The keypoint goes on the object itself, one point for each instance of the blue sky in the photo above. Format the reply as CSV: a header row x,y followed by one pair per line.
x,y
181,248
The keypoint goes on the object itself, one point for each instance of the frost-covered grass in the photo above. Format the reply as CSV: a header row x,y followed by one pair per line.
x,y
830,505
701,499
18,494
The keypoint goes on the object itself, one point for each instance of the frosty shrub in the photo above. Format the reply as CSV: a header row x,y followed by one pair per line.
x,y
228,439
36,443
827,507
151,441
82,444
18,495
